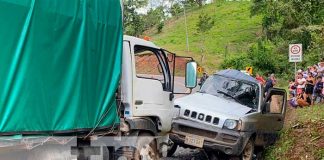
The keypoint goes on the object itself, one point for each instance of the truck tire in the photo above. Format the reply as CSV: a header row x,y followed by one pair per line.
x,y
172,149
146,147
248,151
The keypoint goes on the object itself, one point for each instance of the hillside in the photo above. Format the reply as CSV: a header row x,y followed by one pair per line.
x,y
232,33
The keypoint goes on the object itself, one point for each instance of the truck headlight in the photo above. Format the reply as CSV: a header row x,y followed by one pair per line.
x,y
230,124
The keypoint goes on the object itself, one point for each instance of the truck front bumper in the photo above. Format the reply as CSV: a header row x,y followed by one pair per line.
x,y
229,142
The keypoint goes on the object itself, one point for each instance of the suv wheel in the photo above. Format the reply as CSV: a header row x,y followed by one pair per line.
x,y
248,151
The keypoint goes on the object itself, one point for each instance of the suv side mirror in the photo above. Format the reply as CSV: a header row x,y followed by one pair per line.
x,y
191,74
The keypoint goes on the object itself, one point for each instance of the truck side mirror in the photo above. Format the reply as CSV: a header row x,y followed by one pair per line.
x,y
191,74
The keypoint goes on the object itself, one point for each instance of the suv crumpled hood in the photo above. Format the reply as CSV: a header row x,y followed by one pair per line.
x,y
213,104
217,107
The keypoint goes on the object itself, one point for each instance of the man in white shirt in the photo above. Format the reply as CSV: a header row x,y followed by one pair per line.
x,y
301,81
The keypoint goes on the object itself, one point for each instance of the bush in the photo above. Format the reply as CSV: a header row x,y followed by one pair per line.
x,y
159,27
238,61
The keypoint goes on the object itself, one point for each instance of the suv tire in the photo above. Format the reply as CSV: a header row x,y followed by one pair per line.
x,y
248,151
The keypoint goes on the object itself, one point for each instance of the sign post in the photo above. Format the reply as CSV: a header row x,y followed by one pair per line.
x,y
200,69
295,54
249,70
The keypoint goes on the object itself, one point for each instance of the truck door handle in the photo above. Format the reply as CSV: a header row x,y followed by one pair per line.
x,y
279,119
138,102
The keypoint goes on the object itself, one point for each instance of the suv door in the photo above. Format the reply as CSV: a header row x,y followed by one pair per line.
x,y
272,115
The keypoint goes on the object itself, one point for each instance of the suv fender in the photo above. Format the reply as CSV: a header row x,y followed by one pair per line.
x,y
246,137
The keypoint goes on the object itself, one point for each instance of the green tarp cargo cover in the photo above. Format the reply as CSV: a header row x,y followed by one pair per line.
x,y
60,64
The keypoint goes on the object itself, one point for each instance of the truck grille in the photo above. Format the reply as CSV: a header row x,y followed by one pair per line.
x,y
201,117
198,132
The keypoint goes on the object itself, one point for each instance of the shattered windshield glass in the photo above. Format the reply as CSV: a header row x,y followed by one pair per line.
x,y
239,91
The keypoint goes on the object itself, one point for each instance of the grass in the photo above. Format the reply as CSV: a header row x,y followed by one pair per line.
x,y
233,32
302,138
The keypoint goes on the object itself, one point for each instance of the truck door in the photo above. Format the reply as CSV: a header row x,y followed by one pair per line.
x,y
152,85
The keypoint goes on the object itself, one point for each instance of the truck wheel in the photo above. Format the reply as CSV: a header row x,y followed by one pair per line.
x,y
248,151
146,148
172,149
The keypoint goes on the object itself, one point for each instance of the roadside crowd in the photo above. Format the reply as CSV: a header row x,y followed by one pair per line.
x,y
307,88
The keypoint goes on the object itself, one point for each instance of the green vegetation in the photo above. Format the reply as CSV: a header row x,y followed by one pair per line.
x,y
302,137
233,32
284,22
255,34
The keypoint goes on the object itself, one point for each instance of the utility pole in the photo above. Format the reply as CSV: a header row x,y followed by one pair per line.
x,y
187,37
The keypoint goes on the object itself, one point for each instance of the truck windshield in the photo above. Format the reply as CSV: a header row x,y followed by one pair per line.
x,y
239,91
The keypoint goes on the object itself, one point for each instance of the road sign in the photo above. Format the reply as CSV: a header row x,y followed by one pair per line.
x,y
200,69
249,70
295,53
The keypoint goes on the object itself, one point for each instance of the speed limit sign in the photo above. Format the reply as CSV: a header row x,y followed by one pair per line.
x,y
295,53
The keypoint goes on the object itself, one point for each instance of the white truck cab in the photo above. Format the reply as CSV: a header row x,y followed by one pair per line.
x,y
147,88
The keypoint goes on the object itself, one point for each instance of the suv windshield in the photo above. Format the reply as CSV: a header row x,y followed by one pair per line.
x,y
239,91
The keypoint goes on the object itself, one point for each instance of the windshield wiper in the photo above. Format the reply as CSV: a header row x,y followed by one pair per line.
x,y
202,91
228,95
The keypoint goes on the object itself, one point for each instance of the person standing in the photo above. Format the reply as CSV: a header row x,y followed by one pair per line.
x,y
203,79
309,86
301,82
270,83
318,90
260,79
320,69
292,87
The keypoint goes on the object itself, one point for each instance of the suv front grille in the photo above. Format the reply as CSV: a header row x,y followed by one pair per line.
x,y
198,132
194,115
216,121
186,113
201,117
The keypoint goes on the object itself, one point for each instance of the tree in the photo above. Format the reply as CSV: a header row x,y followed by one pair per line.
x,y
159,27
280,17
133,21
196,2
176,9
285,22
204,24
154,17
